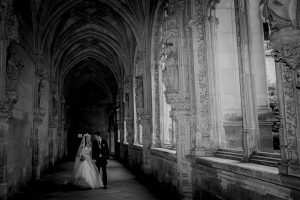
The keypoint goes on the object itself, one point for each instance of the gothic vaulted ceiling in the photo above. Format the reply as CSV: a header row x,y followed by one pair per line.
x,y
87,40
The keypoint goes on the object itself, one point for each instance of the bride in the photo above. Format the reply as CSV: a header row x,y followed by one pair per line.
x,y
85,172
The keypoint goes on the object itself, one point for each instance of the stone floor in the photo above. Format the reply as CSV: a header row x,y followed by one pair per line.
x,y
121,185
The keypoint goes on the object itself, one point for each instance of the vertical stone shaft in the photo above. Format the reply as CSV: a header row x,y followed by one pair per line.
x,y
247,93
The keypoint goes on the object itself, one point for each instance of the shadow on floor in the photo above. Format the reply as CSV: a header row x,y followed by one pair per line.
x,y
122,184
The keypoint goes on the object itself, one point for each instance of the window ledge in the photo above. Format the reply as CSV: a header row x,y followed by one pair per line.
x,y
166,154
256,171
138,146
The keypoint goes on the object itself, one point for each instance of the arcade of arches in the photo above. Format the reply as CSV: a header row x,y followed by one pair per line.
x,y
202,96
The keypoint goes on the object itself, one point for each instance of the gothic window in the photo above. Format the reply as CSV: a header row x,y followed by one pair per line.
x,y
229,79
262,113
167,123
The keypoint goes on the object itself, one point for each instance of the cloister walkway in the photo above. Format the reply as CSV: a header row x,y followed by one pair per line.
x,y
122,184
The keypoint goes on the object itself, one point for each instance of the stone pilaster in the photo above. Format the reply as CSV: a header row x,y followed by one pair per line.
x,y
4,128
36,148
286,49
60,134
250,121
120,125
216,128
8,34
147,140
181,113
39,113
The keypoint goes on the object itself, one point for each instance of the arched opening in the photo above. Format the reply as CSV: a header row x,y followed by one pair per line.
x,y
89,111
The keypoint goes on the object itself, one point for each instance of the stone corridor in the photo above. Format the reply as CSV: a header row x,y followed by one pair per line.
x,y
122,184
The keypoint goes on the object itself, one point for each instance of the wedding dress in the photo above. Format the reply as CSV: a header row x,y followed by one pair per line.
x,y
85,172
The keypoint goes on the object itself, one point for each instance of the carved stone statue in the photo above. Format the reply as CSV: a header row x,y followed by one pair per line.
x,y
170,76
139,91
41,93
281,13
13,69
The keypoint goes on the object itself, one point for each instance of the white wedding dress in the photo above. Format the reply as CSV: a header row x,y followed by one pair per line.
x,y
85,173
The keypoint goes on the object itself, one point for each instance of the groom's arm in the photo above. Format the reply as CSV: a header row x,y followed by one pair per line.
x,y
94,156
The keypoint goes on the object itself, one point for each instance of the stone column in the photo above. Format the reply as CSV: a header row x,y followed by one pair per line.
x,y
181,113
286,49
130,139
147,140
39,113
250,123
258,62
4,128
285,42
120,124
8,33
4,118
216,128
61,132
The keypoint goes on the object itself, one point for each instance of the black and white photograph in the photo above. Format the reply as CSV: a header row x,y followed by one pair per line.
x,y
150,99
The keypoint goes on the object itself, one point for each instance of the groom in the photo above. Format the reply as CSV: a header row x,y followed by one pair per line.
x,y
100,154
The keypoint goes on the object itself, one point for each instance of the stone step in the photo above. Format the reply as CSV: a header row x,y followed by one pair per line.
x,y
232,157
264,162
235,155
265,158
269,155
231,151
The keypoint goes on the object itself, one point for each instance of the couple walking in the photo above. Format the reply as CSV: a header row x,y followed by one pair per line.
x,y
91,158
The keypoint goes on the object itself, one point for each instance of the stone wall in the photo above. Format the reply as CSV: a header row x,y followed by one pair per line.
x,y
212,178
19,164
163,175
216,178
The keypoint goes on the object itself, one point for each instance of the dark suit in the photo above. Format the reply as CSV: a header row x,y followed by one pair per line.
x,y
100,153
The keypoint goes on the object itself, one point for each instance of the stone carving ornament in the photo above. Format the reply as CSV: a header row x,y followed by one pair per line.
x,y
13,69
170,76
12,26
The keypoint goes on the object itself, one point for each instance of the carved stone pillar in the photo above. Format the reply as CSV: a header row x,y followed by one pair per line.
x,y
130,131
39,113
250,121
216,128
8,35
130,140
4,127
181,113
147,140
286,49
120,130
61,134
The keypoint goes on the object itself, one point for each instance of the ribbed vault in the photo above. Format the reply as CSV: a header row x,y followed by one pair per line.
x,y
89,40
